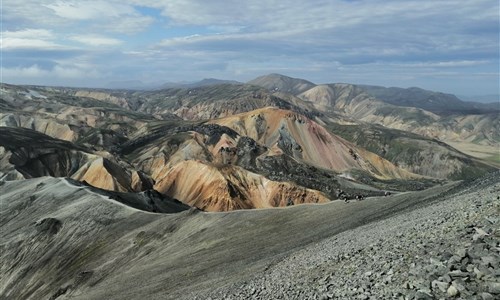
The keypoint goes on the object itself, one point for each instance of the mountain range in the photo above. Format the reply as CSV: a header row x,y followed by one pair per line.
x,y
225,145
210,189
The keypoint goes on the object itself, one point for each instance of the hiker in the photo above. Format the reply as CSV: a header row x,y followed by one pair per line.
x,y
341,195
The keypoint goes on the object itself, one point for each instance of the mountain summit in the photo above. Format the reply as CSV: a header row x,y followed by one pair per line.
x,y
277,82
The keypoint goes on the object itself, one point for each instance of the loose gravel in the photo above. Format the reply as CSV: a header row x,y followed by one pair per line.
x,y
447,250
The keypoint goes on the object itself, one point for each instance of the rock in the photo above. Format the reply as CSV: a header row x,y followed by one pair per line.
x,y
324,297
493,287
459,285
452,291
442,286
489,261
436,262
49,225
462,253
454,259
423,295
480,234
363,297
470,268
446,278
479,274
457,273
487,296
410,294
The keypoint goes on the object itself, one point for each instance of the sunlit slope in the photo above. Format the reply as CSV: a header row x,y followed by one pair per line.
x,y
283,131
228,188
352,101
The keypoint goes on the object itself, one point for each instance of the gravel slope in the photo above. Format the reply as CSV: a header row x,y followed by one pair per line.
x,y
61,241
449,249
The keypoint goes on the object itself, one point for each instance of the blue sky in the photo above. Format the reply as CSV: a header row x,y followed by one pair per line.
x,y
444,45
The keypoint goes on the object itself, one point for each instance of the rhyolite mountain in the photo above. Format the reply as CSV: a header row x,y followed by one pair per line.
x,y
473,128
277,82
276,141
436,102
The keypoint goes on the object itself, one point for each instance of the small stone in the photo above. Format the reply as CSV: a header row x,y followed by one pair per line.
x,y
459,285
480,234
410,294
470,268
442,286
423,295
478,273
454,259
457,273
446,278
435,261
462,253
489,261
493,287
487,296
368,274
452,291
491,220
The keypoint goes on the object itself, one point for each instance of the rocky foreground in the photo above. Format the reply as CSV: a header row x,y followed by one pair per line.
x,y
448,250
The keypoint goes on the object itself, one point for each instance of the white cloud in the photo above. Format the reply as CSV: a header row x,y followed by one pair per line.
x,y
57,75
126,24
449,64
89,10
29,34
96,40
19,72
312,15
41,39
111,16
366,37
58,71
13,43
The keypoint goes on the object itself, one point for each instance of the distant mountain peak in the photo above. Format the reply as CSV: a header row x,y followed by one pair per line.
x,y
201,83
436,102
277,82
126,84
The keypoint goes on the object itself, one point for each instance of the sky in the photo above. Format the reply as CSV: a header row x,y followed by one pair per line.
x,y
443,45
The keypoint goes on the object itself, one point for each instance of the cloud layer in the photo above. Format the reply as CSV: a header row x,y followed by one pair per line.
x,y
446,45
